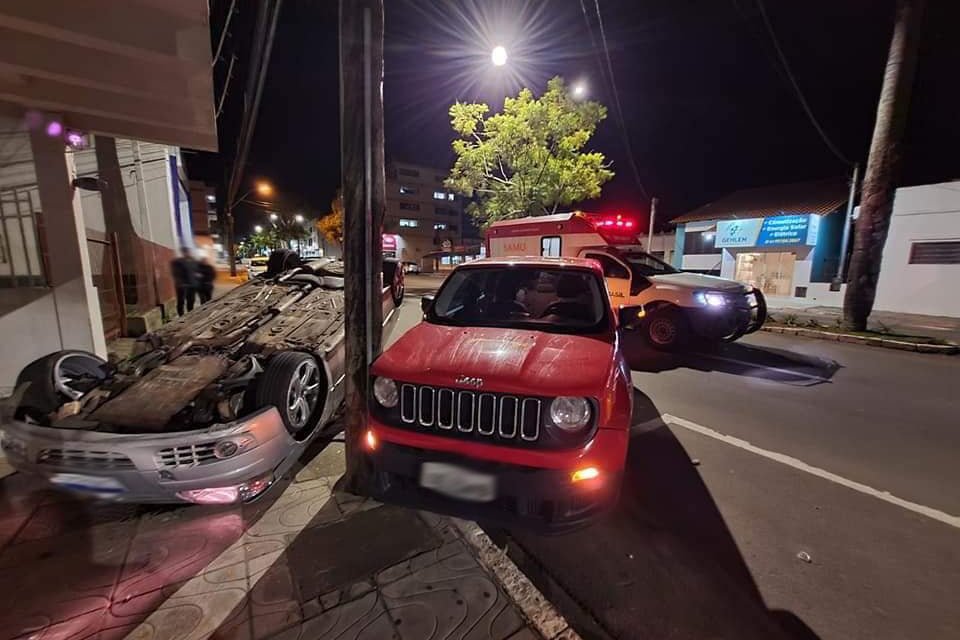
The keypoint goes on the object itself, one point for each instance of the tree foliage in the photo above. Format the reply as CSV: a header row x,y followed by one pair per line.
x,y
331,225
529,159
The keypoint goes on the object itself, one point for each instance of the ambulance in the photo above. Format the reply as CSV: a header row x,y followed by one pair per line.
x,y
670,307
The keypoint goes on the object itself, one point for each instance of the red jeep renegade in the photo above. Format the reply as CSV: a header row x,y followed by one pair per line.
x,y
509,402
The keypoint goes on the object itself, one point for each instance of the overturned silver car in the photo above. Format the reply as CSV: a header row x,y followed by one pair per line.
x,y
210,409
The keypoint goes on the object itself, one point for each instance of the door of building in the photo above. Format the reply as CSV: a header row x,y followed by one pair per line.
x,y
772,273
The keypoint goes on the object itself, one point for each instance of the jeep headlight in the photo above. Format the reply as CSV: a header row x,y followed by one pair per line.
x,y
570,414
710,298
385,392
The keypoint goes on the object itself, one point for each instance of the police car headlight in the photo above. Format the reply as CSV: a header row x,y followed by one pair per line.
x,y
710,298
385,392
570,414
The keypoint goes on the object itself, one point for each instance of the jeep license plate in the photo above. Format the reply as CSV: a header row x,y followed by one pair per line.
x,y
457,482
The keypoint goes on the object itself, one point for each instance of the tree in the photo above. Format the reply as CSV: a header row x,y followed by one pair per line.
x,y
288,230
529,159
331,225
879,182
262,242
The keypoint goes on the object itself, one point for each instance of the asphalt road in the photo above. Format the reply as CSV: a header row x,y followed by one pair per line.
x,y
757,501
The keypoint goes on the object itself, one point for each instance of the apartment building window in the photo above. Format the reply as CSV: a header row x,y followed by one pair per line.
x,y
440,226
408,191
409,222
439,195
444,211
410,173
450,197
410,206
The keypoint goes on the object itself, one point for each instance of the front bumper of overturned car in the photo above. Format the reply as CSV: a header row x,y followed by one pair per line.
x,y
128,467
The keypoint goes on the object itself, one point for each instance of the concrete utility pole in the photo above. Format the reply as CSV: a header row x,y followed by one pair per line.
x,y
847,221
364,200
879,182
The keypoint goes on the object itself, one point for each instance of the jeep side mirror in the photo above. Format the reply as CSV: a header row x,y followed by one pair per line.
x,y
425,303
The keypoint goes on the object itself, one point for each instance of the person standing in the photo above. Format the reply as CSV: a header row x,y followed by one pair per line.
x,y
206,274
184,271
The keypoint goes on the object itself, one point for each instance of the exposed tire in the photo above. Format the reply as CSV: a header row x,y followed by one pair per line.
x,y
280,261
393,274
294,383
667,329
57,378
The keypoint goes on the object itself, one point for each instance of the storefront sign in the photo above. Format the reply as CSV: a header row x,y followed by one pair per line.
x,y
768,232
389,245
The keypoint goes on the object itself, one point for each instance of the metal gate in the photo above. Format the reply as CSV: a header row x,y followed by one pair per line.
x,y
105,269
22,263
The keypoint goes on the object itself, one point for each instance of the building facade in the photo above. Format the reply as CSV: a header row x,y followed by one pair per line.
x,y
90,213
921,258
784,239
424,221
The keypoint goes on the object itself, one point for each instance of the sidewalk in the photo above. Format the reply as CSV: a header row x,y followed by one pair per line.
x,y
306,562
914,324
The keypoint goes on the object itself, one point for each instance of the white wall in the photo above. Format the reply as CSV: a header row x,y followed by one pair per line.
x,y
701,261
928,212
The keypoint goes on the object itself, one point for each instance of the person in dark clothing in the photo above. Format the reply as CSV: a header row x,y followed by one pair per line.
x,y
206,274
184,271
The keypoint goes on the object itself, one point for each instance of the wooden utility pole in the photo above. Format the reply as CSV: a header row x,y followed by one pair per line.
x,y
364,201
879,182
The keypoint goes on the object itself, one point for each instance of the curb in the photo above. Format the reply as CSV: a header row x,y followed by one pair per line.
x,y
888,343
537,609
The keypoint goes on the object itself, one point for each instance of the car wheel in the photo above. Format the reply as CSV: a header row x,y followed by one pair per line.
x,y
60,377
393,274
293,383
666,329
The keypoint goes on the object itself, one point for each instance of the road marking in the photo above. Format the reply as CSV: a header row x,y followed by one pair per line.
x,y
886,496
754,365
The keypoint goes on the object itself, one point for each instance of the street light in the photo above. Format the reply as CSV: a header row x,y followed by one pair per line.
x,y
298,218
263,188
579,90
499,56
273,217
258,228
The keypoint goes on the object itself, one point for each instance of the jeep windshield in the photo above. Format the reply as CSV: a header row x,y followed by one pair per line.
x,y
644,264
523,297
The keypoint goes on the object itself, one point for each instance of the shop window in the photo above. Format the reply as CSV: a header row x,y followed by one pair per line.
x,y
699,243
935,252
550,246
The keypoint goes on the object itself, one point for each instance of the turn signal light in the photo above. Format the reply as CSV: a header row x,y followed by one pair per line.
x,y
587,473
370,440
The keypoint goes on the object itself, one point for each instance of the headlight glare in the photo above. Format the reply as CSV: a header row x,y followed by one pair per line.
x,y
385,392
570,414
710,298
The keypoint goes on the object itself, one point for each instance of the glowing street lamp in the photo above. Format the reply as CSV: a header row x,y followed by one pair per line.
x,y
264,189
273,217
579,90
298,218
498,56
258,228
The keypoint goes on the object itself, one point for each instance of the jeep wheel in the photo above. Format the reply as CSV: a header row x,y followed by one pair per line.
x,y
666,329
293,383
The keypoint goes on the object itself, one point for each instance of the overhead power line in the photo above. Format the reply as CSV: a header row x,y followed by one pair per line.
x,y
618,111
796,88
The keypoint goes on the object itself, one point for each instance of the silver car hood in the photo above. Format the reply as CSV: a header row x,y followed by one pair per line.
x,y
698,281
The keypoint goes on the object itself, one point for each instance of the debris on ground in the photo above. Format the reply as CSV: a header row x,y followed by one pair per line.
x,y
803,555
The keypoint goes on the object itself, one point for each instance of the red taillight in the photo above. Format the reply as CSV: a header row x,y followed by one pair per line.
x,y
370,440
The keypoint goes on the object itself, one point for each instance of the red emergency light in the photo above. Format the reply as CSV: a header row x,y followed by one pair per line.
x,y
615,221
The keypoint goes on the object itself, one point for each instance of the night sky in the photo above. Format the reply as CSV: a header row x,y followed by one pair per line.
x,y
708,108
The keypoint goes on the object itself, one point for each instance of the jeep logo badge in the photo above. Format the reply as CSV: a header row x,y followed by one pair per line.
x,y
469,381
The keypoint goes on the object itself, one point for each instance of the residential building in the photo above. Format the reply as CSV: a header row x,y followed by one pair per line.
x,y
921,258
204,220
90,213
425,221
783,239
